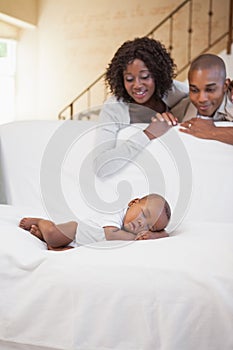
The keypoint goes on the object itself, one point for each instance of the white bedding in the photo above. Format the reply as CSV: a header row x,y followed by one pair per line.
x,y
174,293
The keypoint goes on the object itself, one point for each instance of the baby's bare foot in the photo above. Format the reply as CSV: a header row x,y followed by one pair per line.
x,y
26,223
60,248
35,231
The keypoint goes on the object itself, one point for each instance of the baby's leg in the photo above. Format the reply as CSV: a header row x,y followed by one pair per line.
x,y
31,224
57,235
26,223
36,232
54,235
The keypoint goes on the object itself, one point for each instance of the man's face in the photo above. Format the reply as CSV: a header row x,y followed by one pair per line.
x,y
206,89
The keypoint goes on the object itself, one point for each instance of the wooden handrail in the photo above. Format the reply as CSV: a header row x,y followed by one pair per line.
x,y
230,38
168,17
70,107
203,51
71,104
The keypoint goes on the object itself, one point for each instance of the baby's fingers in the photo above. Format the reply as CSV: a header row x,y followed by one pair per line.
x,y
140,235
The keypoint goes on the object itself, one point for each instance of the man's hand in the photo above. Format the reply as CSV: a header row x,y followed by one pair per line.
x,y
202,128
205,129
151,235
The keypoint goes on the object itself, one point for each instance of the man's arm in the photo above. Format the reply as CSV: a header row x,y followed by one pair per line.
x,y
206,129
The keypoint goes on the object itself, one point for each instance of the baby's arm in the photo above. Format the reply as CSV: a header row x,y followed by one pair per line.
x,y
114,233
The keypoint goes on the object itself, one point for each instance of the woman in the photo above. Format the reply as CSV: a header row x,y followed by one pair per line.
x,y
140,78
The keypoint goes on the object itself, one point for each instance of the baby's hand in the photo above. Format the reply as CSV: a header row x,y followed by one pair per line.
x,y
142,235
151,235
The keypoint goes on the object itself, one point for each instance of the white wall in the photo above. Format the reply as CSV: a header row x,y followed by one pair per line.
x,y
27,75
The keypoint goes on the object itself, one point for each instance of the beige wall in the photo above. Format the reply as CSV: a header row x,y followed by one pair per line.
x,y
23,10
75,39
8,31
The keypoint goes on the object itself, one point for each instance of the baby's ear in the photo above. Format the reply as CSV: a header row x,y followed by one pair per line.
x,y
133,201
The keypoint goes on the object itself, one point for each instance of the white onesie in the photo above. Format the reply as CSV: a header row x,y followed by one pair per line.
x,y
92,230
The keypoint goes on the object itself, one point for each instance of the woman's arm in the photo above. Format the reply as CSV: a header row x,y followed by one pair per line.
x,y
111,154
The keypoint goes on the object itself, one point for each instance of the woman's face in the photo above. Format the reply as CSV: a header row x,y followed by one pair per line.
x,y
139,82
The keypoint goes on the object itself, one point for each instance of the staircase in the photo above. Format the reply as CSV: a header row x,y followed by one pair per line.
x,y
183,42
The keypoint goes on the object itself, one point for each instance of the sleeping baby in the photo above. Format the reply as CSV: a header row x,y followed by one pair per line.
x,y
144,218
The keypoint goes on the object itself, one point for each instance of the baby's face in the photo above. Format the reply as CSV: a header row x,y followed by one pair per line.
x,y
146,215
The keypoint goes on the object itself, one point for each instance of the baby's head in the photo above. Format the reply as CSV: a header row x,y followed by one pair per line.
x,y
149,213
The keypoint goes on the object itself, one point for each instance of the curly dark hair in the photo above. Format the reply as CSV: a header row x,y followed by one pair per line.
x,y
155,57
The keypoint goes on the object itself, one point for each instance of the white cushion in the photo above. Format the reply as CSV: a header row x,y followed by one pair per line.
x,y
48,165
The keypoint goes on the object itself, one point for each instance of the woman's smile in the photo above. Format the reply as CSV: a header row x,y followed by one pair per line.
x,y
138,82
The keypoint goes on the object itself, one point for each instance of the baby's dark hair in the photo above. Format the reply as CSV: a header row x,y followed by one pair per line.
x,y
156,58
167,207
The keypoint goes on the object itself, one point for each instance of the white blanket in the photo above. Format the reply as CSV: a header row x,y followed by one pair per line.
x,y
173,293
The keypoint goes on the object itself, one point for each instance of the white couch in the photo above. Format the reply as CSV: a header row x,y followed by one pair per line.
x,y
168,294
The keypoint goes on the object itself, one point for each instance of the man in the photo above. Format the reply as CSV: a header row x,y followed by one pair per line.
x,y
209,101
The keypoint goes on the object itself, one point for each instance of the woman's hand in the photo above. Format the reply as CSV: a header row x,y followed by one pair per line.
x,y
167,117
160,124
